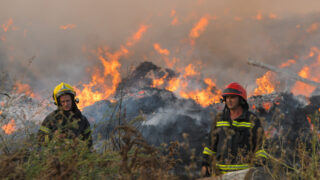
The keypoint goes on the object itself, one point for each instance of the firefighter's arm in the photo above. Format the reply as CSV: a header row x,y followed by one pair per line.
x,y
87,132
210,150
258,138
45,131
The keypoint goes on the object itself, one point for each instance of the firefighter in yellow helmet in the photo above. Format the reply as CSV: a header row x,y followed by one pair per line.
x,y
66,120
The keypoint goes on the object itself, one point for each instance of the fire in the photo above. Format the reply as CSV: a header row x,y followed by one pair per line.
x,y
265,85
171,63
311,53
237,18
190,71
304,72
6,27
99,88
175,19
301,88
141,92
204,97
157,47
137,36
68,26
173,13
273,16
287,63
10,127
313,27
267,105
199,28
259,16
165,53
308,72
159,82
24,88
311,125
173,85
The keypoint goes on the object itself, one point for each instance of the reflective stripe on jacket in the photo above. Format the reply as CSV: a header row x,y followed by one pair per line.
x,y
234,144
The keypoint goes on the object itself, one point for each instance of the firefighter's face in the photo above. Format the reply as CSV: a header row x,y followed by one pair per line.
x,y
66,102
233,102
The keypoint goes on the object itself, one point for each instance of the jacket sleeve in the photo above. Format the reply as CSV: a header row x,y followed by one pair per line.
x,y
210,149
87,132
258,138
45,131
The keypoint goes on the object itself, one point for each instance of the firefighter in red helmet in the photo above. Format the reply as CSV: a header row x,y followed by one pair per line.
x,y
235,140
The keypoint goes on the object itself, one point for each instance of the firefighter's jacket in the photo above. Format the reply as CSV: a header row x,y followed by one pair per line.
x,y
234,145
70,124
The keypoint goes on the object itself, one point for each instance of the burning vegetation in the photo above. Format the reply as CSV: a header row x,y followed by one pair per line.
x,y
151,84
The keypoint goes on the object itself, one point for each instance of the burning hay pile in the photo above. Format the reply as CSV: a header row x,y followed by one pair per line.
x,y
161,117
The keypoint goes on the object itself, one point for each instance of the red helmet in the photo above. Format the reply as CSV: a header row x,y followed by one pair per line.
x,y
235,89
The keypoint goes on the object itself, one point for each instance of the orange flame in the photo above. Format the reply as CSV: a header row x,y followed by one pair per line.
x,y
175,19
99,88
10,127
273,16
171,63
311,125
173,85
6,27
300,87
24,88
304,72
190,71
173,13
199,27
267,105
137,36
313,27
157,47
237,18
265,85
159,82
68,26
259,16
287,63
204,97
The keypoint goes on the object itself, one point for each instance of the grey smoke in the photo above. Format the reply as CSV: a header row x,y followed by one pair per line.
x,y
223,47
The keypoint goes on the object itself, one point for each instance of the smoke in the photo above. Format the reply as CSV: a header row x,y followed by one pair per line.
x,y
60,35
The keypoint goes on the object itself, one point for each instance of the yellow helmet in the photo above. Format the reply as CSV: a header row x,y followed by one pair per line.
x,y
61,89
